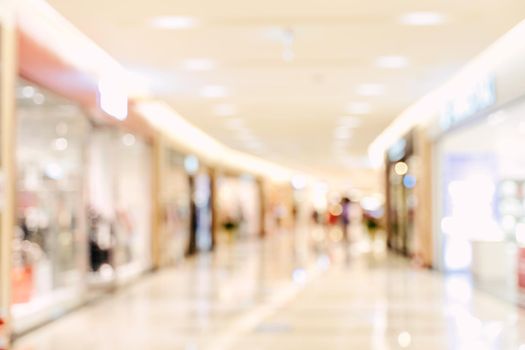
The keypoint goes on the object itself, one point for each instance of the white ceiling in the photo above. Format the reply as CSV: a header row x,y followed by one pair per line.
x,y
292,108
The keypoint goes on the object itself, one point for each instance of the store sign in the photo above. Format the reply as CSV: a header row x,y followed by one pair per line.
x,y
521,268
468,103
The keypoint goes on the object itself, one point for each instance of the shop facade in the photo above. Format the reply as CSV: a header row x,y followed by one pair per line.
x,y
238,206
174,206
49,243
119,205
479,199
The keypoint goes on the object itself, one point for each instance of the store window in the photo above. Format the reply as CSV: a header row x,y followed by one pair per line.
x,y
119,205
238,206
482,202
176,211
401,198
49,243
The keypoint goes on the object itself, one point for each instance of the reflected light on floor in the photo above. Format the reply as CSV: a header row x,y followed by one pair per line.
x,y
458,289
404,339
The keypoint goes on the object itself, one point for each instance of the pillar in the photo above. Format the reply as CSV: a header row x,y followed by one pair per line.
x,y
8,76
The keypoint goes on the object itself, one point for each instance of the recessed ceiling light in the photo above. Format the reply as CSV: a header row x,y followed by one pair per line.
x,y
173,22
343,133
235,123
199,64
254,145
348,121
371,90
422,19
224,110
214,91
358,108
392,62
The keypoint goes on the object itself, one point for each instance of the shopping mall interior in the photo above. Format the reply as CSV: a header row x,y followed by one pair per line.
x,y
222,175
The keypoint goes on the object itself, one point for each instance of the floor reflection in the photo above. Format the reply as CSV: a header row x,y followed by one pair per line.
x,y
291,291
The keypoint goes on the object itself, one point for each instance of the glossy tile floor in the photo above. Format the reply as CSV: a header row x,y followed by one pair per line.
x,y
280,295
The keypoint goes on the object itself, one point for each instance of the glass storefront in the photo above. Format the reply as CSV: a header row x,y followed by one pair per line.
x,y
238,206
401,199
119,204
175,207
49,242
481,202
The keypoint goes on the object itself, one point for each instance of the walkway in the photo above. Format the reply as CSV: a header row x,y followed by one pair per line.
x,y
259,296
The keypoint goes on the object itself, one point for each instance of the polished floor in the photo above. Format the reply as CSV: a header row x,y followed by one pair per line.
x,y
282,294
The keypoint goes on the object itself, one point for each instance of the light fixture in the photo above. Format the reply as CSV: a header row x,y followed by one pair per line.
x,y
349,121
343,133
298,182
28,91
224,110
191,164
113,98
199,64
392,62
235,123
358,108
214,91
422,19
288,38
370,89
401,168
404,339
60,144
128,140
173,22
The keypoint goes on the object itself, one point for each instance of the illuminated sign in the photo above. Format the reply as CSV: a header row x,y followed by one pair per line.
x,y
468,103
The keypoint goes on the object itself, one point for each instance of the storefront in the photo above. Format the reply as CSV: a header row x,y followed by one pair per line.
x,y
49,248
175,207
119,205
480,199
238,206
202,188
401,168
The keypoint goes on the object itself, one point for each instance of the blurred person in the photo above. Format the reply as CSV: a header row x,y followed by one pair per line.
x,y
345,218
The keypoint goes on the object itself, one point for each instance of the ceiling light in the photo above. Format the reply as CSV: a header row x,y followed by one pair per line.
x,y
214,91
392,62
255,145
422,19
351,122
173,22
358,108
401,168
60,144
235,123
224,110
343,133
199,64
371,89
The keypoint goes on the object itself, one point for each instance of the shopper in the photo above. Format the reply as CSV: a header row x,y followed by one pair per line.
x,y
345,219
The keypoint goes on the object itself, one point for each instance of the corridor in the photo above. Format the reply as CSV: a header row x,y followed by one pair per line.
x,y
276,294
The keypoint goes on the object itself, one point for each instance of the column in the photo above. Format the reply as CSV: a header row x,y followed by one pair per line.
x,y
8,77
